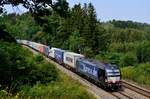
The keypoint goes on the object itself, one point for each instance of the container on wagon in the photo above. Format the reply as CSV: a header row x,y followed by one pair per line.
x,y
32,44
70,58
46,50
35,46
29,43
51,52
41,49
59,55
24,42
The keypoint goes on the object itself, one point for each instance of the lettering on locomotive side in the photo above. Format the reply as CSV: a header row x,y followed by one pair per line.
x,y
93,71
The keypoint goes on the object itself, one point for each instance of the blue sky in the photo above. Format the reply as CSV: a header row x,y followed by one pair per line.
x,y
135,10
18,9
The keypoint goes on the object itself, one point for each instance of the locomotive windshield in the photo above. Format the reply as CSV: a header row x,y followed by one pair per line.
x,y
113,71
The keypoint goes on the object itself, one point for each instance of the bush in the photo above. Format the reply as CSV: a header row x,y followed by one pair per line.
x,y
128,72
116,47
129,59
66,88
143,73
102,56
111,57
139,73
18,66
39,58
44,73
122,47
143,52
14,62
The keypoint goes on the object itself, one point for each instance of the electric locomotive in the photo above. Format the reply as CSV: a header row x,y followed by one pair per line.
x,y
105,74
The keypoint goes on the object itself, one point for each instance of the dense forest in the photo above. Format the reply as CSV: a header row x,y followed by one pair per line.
x,y
125,43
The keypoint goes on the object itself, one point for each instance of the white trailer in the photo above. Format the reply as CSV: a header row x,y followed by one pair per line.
x,y
70,58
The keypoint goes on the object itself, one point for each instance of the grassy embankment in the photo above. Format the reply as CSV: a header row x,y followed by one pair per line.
x,y
26,76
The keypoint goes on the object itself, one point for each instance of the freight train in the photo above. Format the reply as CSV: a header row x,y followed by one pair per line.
x,y
104,74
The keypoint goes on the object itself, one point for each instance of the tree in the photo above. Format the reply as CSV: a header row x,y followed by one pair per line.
x,y
38,7
19,66
143,52
5,36
76,43
90,30
84,21
128,24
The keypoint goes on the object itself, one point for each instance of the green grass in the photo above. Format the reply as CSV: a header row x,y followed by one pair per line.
x,y
65,88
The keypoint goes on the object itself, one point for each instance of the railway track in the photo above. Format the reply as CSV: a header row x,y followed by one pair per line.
x,y
100,93
121,95
137,89
131,91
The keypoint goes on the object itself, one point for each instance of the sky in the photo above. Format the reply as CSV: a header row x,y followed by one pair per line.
x,y
135,10
17,9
